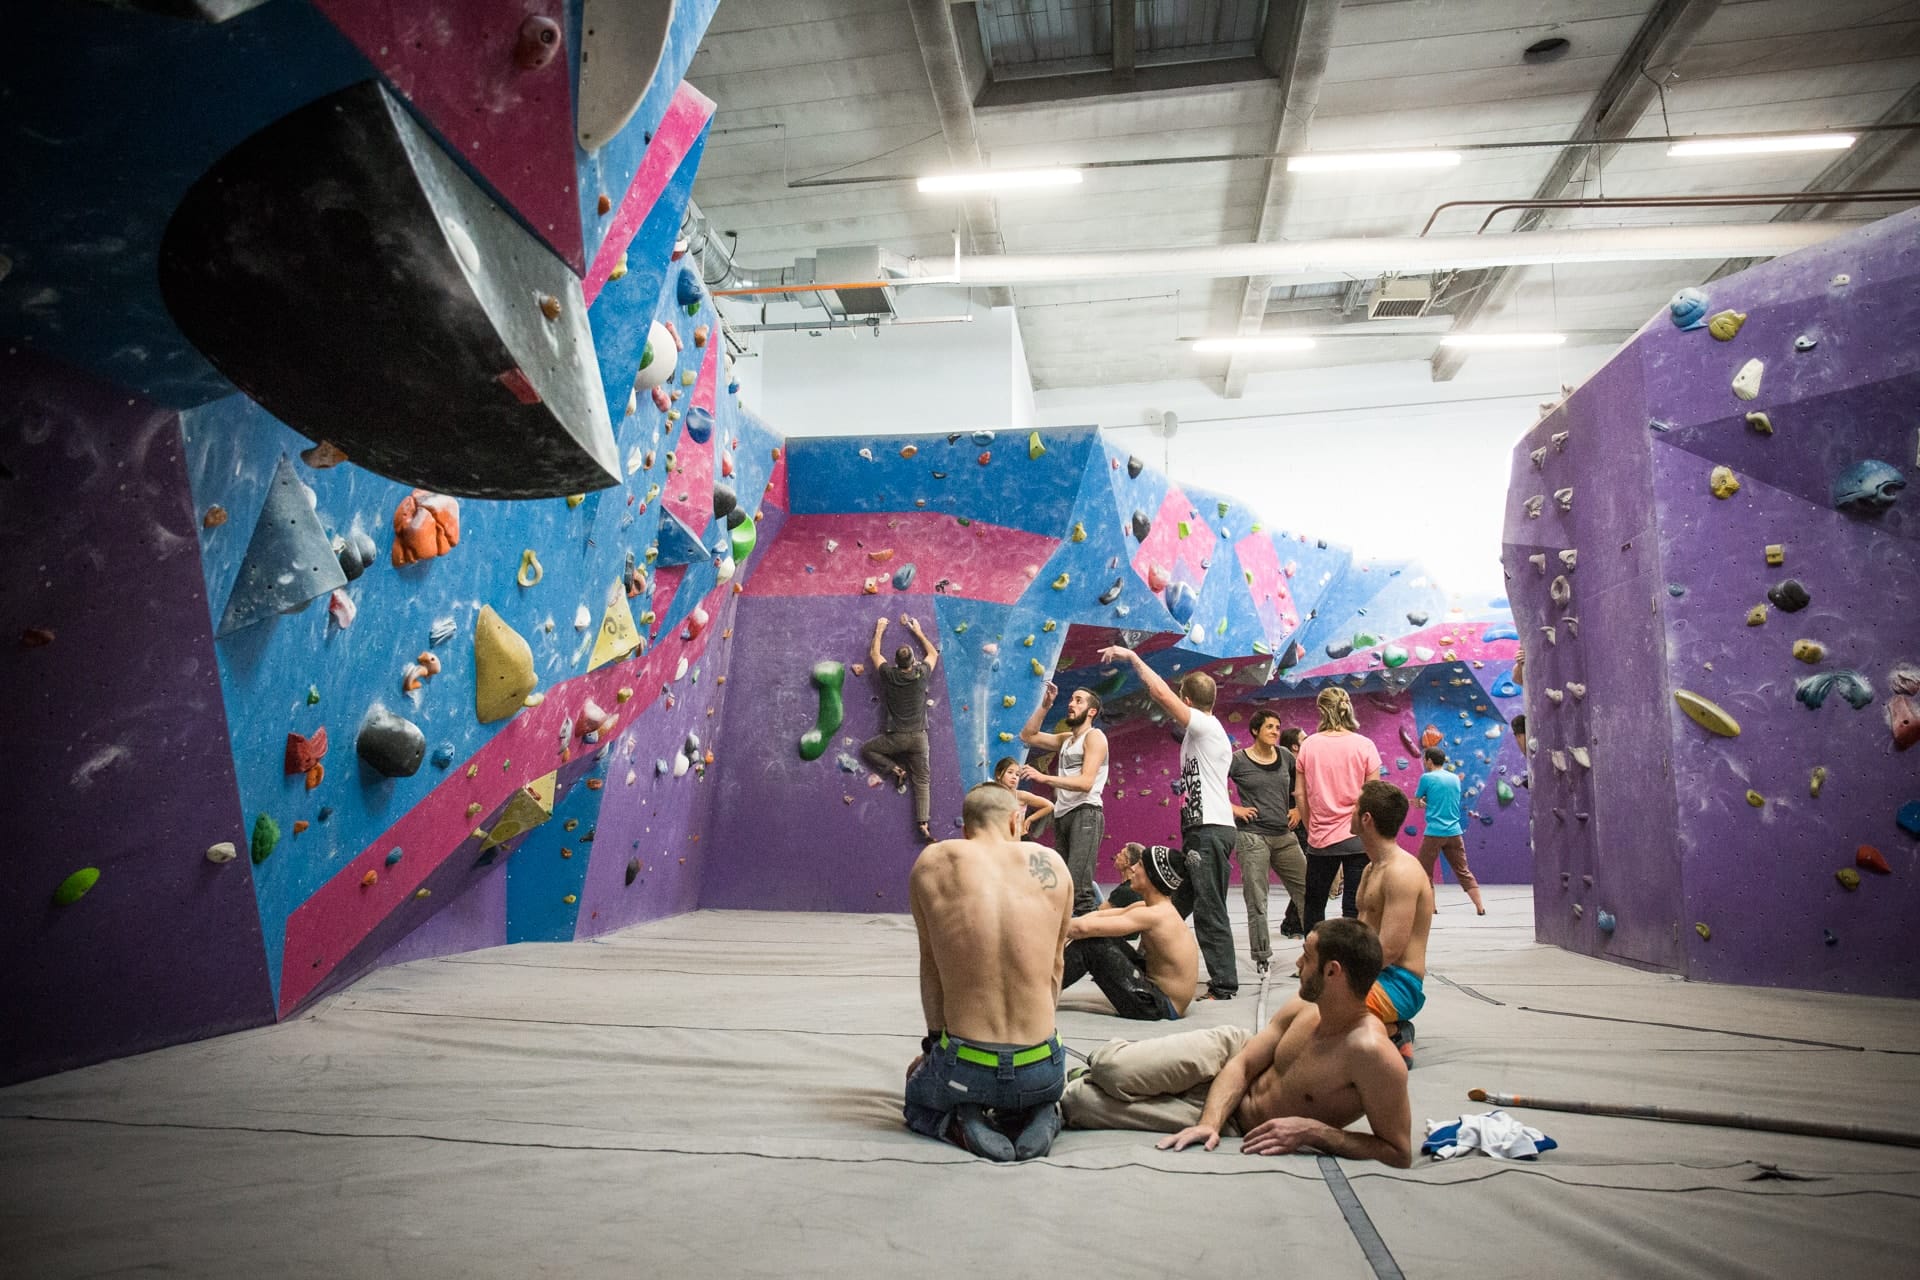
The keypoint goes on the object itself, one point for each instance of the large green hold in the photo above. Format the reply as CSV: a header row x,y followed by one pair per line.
x,y
75,886
1503,793
743,536
829,678
266,834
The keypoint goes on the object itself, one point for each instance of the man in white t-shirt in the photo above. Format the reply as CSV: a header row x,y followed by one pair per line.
x,y
1206,813
1079,818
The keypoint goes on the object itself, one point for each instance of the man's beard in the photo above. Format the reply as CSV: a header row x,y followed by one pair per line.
x,y
1312,983
1075,721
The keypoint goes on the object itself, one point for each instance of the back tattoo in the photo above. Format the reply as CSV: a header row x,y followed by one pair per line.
x,y
1042,870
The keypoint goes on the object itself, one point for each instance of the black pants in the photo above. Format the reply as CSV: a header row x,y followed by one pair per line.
x,y
1121,974
1204,897
1322,866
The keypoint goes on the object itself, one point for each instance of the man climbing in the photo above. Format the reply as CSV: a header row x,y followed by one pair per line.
x,y
1206,814
1396,902
1319,1065
901,750
1157,980
991,911
1079,816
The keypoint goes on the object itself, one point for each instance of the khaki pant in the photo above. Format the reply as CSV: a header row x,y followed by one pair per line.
x,y
1159,1085
1258,852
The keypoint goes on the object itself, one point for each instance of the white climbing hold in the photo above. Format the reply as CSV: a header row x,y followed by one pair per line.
x,y
680,669
222,852
1534,504
1746,383
1581,758
1578,691
1569,559
582,619
1539,562
1564,498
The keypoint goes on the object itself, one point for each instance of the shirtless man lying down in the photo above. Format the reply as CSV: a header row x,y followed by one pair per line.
x,y
1320,1064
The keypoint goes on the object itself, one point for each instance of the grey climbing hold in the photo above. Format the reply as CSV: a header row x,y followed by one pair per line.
x,y
903,577
1788,596
724,501
1868,487
1416,618
1339,648
355,552
1560,590
1675,590
1849,684
1805,342
1534,504
1563,498
443,630
1112,593
290,561
390,745
1134,467
1142,525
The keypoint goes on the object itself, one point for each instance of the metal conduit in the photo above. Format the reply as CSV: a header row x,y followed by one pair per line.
x,y
1741,199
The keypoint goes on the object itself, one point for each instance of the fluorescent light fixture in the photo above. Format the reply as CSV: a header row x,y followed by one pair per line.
x,y
1498,341
1360,161
1762,146
1000,180
1274,342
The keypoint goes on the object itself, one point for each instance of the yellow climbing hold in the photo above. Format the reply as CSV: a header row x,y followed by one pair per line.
x,y
473,809
1049,625
531,805
1034,447
530,570
624,695
619,269
1703,930
1817,781
502,667
570,899
1809,651
1028,642
1723,483
1079,532
575,499
1849,878
1755,799
1776,553
1760,422
1707,714
1060,583
1726,324
1005,736
1037,668
618,636
1757,615
1008,700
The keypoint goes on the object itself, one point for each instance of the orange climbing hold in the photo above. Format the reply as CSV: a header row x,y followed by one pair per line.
x,y
215,517
1872,859
1430,737
425,525
370,879
314,775
300,825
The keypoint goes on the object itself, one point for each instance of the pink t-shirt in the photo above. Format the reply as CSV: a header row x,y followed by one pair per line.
x,y
1335,766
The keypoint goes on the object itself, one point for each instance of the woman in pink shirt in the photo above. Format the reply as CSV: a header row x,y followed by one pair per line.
x,y
1334,764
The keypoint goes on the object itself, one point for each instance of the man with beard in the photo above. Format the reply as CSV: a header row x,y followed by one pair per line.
x,y
1079,816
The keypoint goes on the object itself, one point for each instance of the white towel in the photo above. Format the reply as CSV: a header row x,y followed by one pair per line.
x,y
1494,1132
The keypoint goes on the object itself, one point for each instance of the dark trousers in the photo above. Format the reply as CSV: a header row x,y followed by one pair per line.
x,y
1120,973
1322,867
1077,834
890,751
1204,897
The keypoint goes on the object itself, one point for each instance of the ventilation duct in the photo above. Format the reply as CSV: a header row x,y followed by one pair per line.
x,y
1401,299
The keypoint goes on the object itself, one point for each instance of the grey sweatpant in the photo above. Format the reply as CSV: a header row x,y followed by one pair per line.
x,y
1077,834
907,751
1258,851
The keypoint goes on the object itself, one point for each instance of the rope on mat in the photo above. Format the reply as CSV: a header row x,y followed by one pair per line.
x,y
1378,1256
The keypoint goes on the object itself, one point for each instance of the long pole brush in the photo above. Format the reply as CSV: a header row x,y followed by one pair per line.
x,y
1690,1115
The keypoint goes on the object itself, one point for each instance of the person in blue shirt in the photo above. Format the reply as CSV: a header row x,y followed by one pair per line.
x,y
1439,794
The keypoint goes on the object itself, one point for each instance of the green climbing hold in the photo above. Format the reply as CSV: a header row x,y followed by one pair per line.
x,y
960,628
1709,715
1182,529
313,695
1225,507
266,834
1034,447
743,537
75,886
829,678
1365,640
1503,793
1394,656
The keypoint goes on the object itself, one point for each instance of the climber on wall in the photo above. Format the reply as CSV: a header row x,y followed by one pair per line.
x,y
1079,816
901,748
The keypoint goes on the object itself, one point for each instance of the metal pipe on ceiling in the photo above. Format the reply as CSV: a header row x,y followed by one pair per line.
x,y
1736,200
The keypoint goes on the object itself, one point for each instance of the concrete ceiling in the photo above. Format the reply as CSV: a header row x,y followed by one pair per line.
x,y
812,89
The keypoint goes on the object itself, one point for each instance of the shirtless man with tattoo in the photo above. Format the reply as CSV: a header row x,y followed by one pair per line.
x,y
991,910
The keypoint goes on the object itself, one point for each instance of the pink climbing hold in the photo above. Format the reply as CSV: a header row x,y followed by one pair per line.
x,y
1903,718
1158,577
538,42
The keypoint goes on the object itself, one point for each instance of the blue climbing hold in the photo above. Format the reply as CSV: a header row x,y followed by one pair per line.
x,y
1868,487
1182,600
1498,633
1909,818
699,425
1689,309
903,577
1850,685
443,755
326,811
1605,921
1504,687
686,290
1400,762
393,856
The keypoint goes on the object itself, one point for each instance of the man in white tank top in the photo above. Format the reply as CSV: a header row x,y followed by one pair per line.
x,y
1079,818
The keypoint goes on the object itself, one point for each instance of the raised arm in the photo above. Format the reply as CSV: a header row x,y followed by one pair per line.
x,y
913,624
873,649
1159,690
1030,732
933,1002
1092,761
1381,1080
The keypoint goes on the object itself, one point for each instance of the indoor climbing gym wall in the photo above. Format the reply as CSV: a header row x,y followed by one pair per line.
x,y
1022,555
377,491
1713,561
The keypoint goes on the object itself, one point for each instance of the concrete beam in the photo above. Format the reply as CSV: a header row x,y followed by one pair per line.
x,y
1124,39
947,75
1629,89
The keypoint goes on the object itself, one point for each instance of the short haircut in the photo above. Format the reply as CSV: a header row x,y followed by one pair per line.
x,y
987,805
1260,719
1520,723
1000,766
1198,689
1130,853
1291,738
1432,755
1093,700
1386,804
1355,946
903,656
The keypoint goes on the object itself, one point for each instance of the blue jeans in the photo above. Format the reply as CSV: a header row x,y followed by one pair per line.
x,y
943,1082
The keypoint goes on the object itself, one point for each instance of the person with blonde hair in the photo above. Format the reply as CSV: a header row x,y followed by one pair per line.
x,y
1335,763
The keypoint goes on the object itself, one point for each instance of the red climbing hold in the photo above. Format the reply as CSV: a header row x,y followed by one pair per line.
x,y
1904,719
986,457
36,638
1430,737
1872,859
304,754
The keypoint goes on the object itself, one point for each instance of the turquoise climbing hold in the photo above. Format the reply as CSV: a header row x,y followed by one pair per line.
x,y
903,577
1909,818
829,678
394,855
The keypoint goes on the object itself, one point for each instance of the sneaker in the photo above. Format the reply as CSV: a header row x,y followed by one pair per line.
x,y
1213,995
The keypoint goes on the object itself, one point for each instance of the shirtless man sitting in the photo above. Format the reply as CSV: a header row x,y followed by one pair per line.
x,y
1396,902
1158,979
1320,1064
991,911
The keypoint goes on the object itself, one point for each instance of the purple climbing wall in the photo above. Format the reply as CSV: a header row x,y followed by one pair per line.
x,y
116,741
1716,854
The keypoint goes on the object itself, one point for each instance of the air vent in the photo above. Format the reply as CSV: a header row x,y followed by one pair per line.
x,y
1400,300
847,266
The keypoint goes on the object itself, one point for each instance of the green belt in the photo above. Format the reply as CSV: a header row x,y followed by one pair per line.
x,y
987,1058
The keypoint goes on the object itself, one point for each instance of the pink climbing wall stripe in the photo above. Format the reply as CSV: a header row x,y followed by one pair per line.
x,y
689,490
1450,642
776,495
324,930
1272,596
1181,557
980,561
687,114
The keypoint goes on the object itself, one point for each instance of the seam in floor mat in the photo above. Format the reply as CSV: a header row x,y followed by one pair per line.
x,y
1718,1031
1378,1256
1738,1190
1460,986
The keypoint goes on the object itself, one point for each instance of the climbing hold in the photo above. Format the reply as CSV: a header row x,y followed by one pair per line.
x,y
1534,504
724,501
903,577
1703,930
829,678
394,855
1675,590
1805,342
1079,533
1809,651
1503,793
1849,878
656,358
537,43
1746,383
1725,324
425,525
530,570
1581,757
1850,684
75,886
1605,921
1760,422
266,834
391,745
1112,593
1908,818
1722,482
1034,447
304,754
1134,467
986,456
502,667
1776,554
742,538
1569,559
1049,625
1688,309
1871,859
1158,577
1757,616
1789,596
1181,600
530,806
442,631
1817,780
1708,715
1755,799
222,852
699,424
289,561
1142,525
1060,583
1008,700
1868,487
1903,719
1560,591
1338,649
215,517
355,553
1393,655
